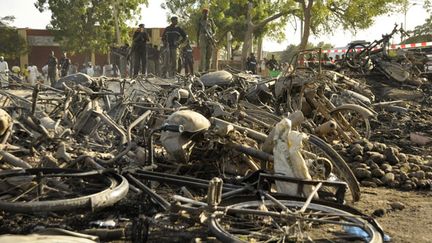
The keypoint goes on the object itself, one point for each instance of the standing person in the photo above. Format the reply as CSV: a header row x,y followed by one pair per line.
x,y
139,49
251,63
180,63
64,65
44,70
107,70
116,71
150,60
272,64
187,56
165,60
4,71
74,68
33,73
83,68
97,71
156,59
25,73
205,40
52,69
124,60
173,36
16,77
90,69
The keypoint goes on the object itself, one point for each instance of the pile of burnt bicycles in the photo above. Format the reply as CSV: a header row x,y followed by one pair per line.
x,y
198,152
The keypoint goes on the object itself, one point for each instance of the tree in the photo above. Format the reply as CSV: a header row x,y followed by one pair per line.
x,y
321,16
421,32
252,27
6,21
89,25
12,44
230,16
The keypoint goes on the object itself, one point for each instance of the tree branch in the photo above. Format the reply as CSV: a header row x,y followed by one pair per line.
x,y
273,17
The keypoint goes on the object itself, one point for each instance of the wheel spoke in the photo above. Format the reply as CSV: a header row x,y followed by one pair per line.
x,y
59,189
318,223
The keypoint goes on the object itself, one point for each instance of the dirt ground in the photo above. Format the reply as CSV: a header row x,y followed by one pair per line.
x,y
411,224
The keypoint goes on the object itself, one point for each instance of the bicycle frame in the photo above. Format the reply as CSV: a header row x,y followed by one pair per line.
x,y
363,53
295,59
248,188
219,203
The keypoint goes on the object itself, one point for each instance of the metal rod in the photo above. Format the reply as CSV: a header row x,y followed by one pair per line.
x,y
13,160
277,202
261,137
252,152
160,200
188,200
129,136
181,181
309,199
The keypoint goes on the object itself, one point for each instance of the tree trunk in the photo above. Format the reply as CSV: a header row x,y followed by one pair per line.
x,y
247,41
307,11
247,45
259,48
215,61
251,27
307,15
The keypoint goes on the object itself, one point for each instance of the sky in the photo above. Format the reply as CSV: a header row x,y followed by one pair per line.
x,y
154,16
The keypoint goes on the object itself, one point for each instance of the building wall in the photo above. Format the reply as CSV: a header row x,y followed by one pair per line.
x,y
41,43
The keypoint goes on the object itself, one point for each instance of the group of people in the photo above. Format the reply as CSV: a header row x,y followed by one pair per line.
x,y
50,72
252,64
146,58
29,73
174,40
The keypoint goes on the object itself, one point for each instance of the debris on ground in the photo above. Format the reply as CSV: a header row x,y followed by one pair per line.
x,y
141,153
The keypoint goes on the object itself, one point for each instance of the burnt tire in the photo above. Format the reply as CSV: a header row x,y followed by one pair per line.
x,y
249,222
355,59
340,167
52,189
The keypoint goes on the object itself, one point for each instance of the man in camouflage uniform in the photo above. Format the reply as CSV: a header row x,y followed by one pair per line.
x,y
205,40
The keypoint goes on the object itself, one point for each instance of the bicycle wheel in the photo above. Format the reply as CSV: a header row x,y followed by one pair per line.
x,y
357,56
316,150
354,120
44,190
265,221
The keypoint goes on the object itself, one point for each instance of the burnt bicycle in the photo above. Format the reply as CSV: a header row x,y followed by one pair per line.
x,y
367,56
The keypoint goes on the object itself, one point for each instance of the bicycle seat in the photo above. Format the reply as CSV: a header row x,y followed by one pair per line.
x,y
356,42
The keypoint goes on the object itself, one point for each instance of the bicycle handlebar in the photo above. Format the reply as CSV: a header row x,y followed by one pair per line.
x,y
395,29
387,36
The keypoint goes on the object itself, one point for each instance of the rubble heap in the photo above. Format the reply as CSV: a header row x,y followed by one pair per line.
x,y
118,134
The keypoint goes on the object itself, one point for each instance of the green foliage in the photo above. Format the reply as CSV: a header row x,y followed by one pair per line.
x,y
417,39
424,29
421,32
230,15
353,14
6,21
327,16
428,6
85,25
12,45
